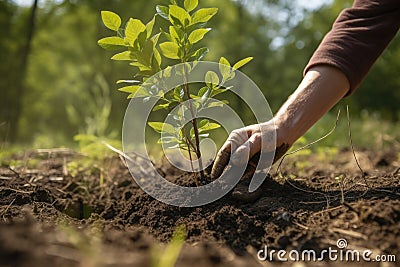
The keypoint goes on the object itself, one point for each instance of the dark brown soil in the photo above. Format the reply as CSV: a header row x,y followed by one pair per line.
x,y
49,218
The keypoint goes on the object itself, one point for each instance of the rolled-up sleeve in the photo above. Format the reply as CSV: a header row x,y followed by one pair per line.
x,y
357,38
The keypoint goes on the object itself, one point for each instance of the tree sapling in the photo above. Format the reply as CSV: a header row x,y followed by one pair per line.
x,y
143,50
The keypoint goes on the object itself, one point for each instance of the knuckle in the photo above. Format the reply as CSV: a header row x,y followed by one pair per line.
x,y
256,136
221,153
235,132
238,135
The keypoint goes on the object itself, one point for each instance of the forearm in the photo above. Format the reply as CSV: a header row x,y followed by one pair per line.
x,y
321,88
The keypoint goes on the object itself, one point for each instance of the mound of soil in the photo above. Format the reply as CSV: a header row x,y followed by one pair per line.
x,y
51,218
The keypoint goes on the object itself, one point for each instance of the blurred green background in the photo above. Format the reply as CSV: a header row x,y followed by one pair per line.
x,y
56,82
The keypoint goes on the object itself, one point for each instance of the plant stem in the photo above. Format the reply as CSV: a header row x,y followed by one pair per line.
x,y
196,148
194,123
189,143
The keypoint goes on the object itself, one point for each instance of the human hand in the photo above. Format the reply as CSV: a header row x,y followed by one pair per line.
x,y
244,146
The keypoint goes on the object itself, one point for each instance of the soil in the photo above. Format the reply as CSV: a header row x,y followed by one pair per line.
x,y
50,218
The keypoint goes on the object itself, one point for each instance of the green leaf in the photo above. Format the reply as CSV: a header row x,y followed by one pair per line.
x,y
202,91
130,89
211,126
224,68
162,127
157,126
140,92
111,20
133,29
242,62
218,91
205,125
168,140
163,11
176,34
126,55
166,34
161,106
204,15
178,93
112,43
144,56
179,13
141,39
199,54
144,73
212,79
170,50
155,38
157,56
191,4
224,61
176,22
150,26
197,35
137,64
215,104
195,26
166,73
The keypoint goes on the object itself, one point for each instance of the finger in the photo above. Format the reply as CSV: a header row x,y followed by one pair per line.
x,y
238,138
221,160
235,139
248,174
246,151
254,159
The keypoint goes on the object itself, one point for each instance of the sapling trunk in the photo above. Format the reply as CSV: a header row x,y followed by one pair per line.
x,y
189,143
194,124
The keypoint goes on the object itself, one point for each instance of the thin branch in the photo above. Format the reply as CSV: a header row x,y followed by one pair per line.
x,y
194,123
15,190
8,206
124,155
189,142
14,171
352,147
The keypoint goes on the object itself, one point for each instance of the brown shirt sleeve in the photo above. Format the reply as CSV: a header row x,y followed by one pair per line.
x,y
358,36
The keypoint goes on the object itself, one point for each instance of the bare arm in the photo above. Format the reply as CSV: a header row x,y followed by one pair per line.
x,y
321,88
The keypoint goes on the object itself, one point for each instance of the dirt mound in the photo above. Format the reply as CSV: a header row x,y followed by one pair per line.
x,y
49,218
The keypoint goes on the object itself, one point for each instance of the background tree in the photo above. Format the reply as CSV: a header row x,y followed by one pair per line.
x,y
65,63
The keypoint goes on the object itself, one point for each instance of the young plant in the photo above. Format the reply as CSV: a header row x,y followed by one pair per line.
x,y
141,48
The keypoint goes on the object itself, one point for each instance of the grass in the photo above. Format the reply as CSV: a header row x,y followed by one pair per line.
x,y
368,131
170,255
